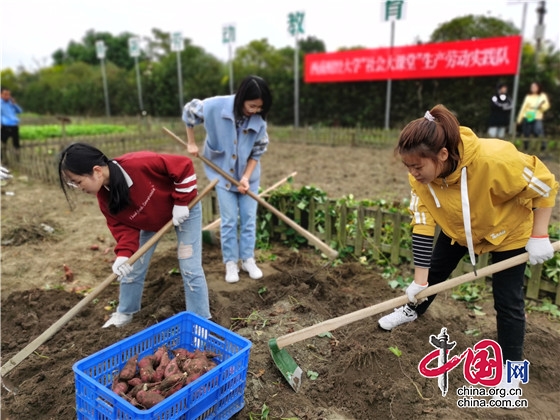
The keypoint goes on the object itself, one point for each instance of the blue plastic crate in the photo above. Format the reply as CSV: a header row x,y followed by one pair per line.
x,y
218,394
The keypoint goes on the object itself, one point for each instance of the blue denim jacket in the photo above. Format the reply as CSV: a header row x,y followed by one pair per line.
x,y
227,146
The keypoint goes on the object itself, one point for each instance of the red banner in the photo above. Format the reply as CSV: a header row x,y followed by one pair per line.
x,y
481,57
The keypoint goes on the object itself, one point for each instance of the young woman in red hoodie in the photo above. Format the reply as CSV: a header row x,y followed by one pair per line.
x,y
138,193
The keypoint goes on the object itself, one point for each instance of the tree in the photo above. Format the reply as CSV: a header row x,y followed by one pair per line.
x,y
472,27
84,51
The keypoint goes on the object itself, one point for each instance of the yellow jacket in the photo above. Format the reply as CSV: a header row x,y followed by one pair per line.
x,y
538,103
495,185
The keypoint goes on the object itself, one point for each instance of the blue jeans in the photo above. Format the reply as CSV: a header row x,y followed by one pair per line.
x,y
235,206
189,252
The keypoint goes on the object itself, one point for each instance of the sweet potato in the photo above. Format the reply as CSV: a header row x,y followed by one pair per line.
x,y
119,387
132,393
177,386
174,366
149,398
68,273
135,381
160,370
146,367
129,369
196,365
183,353
210,354
146,361
198,354
158,355
168,383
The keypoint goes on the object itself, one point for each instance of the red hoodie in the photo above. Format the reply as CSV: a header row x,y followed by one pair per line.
x,y
157,182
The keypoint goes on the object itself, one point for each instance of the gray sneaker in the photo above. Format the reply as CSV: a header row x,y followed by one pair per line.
x,y
400,316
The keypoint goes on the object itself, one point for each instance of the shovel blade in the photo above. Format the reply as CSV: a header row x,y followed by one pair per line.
x,y
286,364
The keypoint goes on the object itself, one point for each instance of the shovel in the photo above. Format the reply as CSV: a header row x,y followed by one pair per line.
x,y
292,372
53,329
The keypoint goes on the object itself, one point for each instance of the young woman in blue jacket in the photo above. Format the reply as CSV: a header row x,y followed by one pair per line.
x,y
236,138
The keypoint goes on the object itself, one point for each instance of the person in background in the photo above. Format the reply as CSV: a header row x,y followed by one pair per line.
x,y
138,193
487,197
236,138
500,111
9,120
531,114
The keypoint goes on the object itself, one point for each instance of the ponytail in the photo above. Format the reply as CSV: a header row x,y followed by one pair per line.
x,y
119,196
426,136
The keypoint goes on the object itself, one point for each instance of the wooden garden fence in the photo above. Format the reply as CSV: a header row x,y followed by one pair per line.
x,y
364,230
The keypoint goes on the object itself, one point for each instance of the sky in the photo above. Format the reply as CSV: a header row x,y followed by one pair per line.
x,y
32,30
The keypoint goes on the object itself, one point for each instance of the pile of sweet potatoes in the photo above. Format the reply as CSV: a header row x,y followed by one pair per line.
x,y
150,380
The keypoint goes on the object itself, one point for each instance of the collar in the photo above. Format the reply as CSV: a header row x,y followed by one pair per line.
x,y
129,182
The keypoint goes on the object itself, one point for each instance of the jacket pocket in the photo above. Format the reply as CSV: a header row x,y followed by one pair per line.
x,y
213,153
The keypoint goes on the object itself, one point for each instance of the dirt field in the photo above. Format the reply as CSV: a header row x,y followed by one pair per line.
x,y
358,376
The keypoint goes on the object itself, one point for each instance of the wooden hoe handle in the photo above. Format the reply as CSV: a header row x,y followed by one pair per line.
x,y
333,323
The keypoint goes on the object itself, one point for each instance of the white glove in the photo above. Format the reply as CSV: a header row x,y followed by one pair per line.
x,y
121,268
4,173
539,249
180,214
413,289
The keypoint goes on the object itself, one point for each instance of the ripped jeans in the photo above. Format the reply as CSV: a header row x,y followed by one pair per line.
x,y
189,252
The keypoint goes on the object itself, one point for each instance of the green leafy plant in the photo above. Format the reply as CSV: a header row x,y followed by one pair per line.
x,y
263,415
312,375
469,292
546,307
41,132
551,268
396,351
400,282
477,310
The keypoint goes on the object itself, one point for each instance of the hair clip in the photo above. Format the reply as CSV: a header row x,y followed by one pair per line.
x,y
429,116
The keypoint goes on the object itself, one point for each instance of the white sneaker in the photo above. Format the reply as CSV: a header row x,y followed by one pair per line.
x,y
400,316
118,320
250,266
232,272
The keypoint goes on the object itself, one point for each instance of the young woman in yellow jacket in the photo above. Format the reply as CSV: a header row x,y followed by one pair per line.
x,y
531,114
487,197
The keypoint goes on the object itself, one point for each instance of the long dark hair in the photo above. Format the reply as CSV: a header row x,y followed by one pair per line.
x,y
252,87
426,138
80,158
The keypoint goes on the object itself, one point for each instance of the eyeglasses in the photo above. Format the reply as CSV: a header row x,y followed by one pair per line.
x,y
72,184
